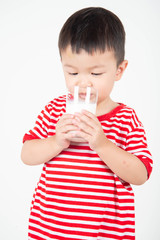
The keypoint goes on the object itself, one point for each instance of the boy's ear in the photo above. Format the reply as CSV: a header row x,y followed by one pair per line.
x,y
121,68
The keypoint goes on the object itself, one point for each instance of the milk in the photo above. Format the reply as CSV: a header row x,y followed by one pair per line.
x,y
73,107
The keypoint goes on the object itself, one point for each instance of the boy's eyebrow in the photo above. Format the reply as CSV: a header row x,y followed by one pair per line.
x,y
95,66
68,65
98,66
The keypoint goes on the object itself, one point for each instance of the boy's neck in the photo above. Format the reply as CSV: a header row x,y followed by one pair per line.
x,y
106,107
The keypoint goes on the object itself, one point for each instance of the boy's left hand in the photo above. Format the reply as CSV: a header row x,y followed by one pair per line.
x,y
90,129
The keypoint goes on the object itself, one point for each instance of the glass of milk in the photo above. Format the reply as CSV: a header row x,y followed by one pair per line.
x,y
81,98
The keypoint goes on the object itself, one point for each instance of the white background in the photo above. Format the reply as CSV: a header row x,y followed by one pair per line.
x,y
31,75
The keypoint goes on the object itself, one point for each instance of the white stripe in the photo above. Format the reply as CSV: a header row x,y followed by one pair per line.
x,y
124,113
137,144
141,135
126,125
120,119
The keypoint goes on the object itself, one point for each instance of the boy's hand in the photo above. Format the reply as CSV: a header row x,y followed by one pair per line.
x,y
90,129
64,130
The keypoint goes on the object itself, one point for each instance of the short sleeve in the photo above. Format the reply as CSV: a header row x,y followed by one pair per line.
x,y
41,128
137,144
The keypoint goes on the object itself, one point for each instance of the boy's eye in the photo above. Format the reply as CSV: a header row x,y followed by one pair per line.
x,y
73,74
96,74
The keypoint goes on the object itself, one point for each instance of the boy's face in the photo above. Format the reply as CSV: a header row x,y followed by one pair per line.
x,y
97,69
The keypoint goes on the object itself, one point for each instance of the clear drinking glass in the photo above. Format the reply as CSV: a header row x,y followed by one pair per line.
x,y
81,98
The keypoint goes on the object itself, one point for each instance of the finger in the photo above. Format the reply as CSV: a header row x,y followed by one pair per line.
x,y
65,120
91,121
72,135
85,127
83,135
65,117
68,128
89,114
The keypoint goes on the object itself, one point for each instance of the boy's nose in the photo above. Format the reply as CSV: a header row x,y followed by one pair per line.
x,y
85,84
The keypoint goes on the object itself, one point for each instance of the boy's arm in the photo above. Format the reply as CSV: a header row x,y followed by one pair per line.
x,y
38,151
124,164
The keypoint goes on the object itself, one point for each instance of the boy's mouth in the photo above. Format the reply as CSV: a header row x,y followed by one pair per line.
x,y
82,95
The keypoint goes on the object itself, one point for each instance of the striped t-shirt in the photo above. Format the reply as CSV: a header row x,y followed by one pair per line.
x,y
78,197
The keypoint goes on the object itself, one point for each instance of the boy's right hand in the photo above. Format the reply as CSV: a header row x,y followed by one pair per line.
x,y
64,130
38,151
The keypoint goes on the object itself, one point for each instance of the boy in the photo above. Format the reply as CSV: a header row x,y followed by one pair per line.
x,y
84,191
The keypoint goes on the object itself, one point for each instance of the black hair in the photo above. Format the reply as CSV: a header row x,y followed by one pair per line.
x,y
92,29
